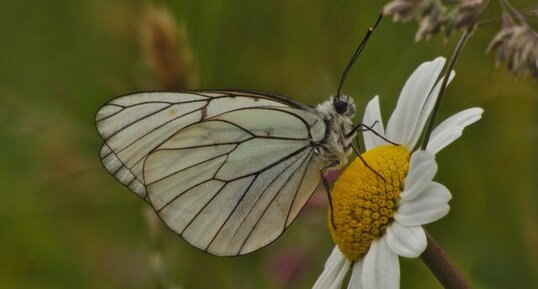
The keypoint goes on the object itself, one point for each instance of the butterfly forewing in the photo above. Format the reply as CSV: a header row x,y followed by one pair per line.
x,y
133,125
228,171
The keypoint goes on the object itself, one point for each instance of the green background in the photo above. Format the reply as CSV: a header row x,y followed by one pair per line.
x,y
65,223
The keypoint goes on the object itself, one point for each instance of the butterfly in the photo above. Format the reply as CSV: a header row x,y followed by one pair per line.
x,y
227,170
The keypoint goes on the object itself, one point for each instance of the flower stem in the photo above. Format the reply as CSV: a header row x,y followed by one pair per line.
x,y
434,257
455,55
437,261
451,63
159,269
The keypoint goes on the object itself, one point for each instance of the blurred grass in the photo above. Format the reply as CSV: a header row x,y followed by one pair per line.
x,y
64,222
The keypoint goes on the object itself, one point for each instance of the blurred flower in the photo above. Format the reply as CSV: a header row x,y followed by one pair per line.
x,y
332,176
436,15
287,267
319,197
517,45
376,220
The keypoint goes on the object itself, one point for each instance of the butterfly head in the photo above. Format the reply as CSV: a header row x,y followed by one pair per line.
x,y
340,106
336,108
344,105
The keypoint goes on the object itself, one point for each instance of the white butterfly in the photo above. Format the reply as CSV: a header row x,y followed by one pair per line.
x,y
226,170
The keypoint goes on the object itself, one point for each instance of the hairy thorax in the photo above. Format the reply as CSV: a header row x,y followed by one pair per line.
x,y
335,148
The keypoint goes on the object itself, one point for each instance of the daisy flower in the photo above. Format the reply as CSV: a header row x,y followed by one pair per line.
x,y
376,220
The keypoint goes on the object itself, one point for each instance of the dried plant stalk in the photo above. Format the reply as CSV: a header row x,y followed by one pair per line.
x,y
165,49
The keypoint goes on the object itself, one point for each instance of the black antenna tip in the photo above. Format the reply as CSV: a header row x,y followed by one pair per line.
x,y
356,55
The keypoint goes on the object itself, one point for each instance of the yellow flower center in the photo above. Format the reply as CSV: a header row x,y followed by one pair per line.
x,y
363,203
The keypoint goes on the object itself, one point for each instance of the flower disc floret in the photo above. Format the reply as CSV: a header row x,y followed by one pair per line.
x,y
363,203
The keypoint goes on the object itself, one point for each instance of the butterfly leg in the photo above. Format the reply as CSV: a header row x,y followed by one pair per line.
x,y
368,166
357,142
328,190
363,127
357,150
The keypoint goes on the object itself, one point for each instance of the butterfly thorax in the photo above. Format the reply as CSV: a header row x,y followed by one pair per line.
x,y
335,148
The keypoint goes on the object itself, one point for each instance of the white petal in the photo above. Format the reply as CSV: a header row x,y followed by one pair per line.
x,y
429,206
452,128
414,95
372,115
381,269
422,169
408,242
355,282
426,111
334,272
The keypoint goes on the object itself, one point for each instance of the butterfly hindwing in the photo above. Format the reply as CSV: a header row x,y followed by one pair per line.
x,y
125,176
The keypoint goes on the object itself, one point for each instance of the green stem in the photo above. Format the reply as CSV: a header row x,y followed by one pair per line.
x,y
451,63
434,257
437,261
159,270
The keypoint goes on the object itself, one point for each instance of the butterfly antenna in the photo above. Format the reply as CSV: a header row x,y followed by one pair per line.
x,y
356,55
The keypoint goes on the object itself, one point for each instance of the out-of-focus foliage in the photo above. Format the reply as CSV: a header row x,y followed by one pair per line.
x,y
517,44
65,223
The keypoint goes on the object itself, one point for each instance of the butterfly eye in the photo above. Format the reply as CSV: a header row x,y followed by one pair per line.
x,y
340,106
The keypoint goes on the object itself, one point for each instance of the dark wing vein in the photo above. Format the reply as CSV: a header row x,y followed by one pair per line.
x,y
307,125
271,202
112,114
233,210
255,202
189,167
295,195
139,104
158,127
190,188
267,167
137,121
201,210
256,173
264,95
